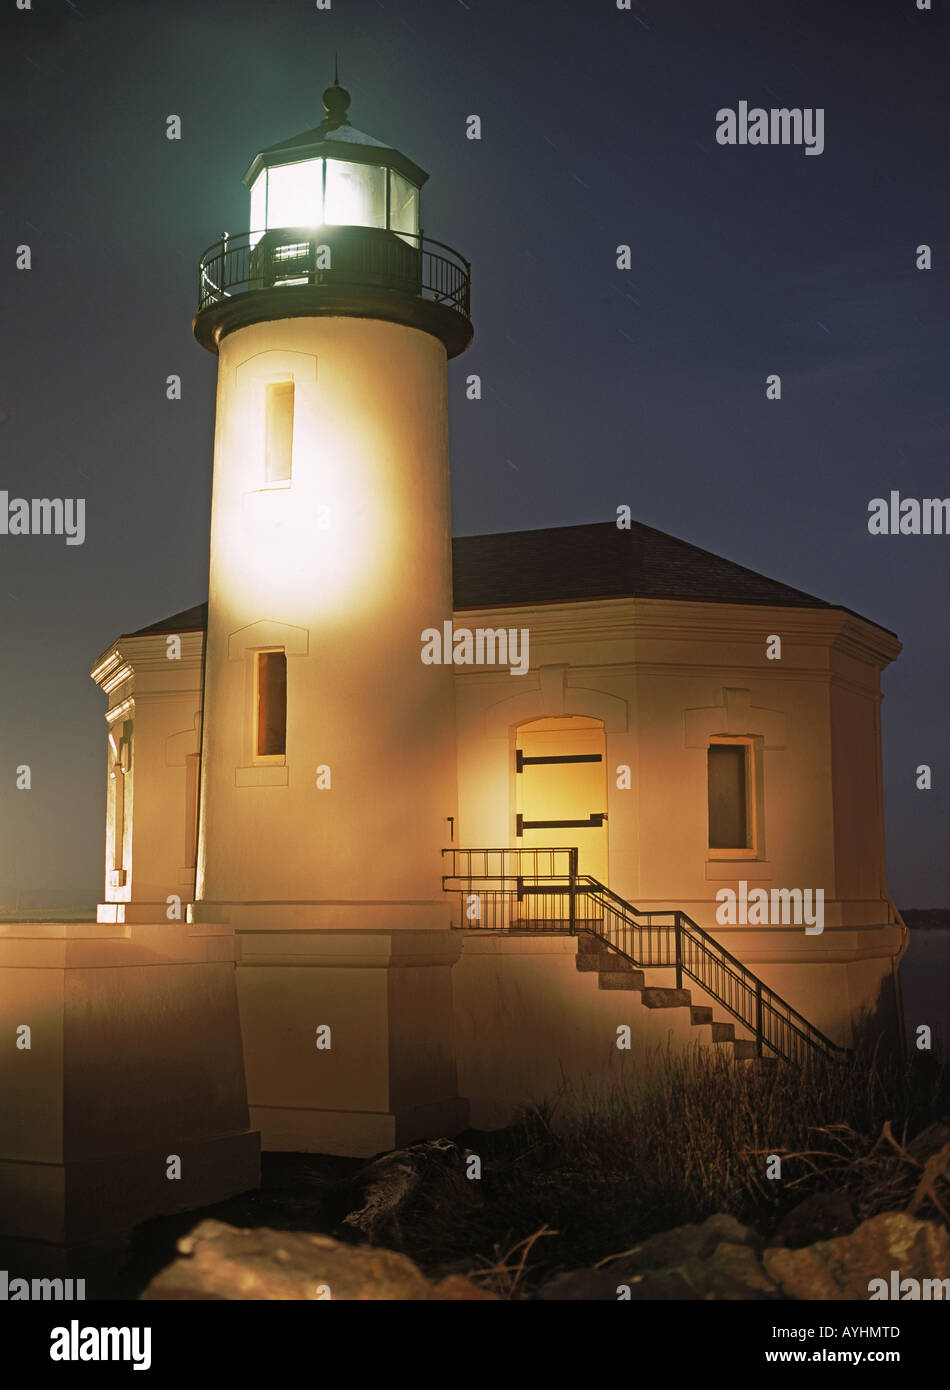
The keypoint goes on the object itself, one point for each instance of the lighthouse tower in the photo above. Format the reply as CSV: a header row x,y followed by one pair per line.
x,y
328,746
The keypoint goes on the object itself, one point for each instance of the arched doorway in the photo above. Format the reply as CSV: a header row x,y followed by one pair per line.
x,y
561,788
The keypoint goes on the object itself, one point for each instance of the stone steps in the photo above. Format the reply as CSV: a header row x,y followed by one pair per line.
x,y
620,979
655,997
615,972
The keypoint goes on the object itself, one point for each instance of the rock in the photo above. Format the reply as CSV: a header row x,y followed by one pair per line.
x,y
843,1267
720,1259
715,1260
382,1189
684,1242
819,1217
456,1288
225,1262
731,1272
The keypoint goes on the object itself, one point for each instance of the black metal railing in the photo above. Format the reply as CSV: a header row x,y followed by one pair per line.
x,y
541,890
367,256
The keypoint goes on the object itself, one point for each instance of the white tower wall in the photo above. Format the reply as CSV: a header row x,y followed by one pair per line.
x,y
343,568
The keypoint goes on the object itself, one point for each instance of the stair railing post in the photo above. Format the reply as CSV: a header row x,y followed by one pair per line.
x,y
679,952
758,1018
571,891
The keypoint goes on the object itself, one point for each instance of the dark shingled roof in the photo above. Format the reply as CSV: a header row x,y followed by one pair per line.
x,y
602,561
566,564
191,620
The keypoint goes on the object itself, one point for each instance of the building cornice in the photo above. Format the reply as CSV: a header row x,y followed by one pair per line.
x,y
131,656
639,619
124,710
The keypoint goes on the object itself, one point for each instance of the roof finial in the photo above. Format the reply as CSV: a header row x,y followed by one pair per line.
x,y
336,99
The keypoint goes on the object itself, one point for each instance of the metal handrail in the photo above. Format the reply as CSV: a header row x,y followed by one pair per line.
x,y
233,265
692,951
767,1000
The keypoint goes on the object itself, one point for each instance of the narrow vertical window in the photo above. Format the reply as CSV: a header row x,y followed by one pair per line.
x,y
118,817
728,777
121,748
192,765
271,720
279,431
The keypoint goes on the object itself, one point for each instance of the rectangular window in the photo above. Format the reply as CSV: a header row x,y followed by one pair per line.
x,y
729,779
270,739
289,261
192,768
291,251
280,431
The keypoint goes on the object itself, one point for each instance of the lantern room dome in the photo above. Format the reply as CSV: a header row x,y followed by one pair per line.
x,y
335,128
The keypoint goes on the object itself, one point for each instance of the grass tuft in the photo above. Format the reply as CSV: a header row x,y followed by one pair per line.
x,y
596,1173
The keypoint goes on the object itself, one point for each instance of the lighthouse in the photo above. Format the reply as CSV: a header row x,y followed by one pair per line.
x,y
327,761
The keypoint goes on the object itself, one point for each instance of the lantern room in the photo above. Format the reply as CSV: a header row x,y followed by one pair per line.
x,y
334,175
334,229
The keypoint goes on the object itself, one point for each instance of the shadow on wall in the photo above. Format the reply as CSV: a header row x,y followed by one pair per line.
x,y
878,1031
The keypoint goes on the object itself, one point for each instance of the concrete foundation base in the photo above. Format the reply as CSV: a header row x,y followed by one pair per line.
x,y
95,1263
349,1038
530,1026
95,1197
123,1087
352,1135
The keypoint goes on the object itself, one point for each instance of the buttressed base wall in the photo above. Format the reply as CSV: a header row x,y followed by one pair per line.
x,y
129,1100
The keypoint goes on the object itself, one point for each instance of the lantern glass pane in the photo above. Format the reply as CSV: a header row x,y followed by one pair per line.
x,y
403,204
295,194
258,207
356,194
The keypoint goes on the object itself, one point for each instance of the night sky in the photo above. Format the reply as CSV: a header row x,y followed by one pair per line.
x,y
600,387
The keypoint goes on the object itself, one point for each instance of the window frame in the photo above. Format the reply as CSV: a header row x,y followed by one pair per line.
x,y
269,385
265,759
751,849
